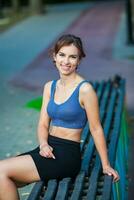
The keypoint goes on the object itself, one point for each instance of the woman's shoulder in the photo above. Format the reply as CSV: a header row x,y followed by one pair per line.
x,y
47,86
86,87
87,93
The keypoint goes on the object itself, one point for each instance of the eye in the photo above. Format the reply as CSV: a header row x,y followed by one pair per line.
x,y
61,54
74,57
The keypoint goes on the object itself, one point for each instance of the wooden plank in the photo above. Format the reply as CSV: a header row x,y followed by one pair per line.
x,y
106,192
104,100
100,90
78,186
51,190
63,189
91,193
106,195
36,190
110,112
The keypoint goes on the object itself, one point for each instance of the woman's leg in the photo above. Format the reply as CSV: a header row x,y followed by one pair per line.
x,y
19,169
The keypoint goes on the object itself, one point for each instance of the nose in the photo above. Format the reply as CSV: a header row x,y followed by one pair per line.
x,y
66,60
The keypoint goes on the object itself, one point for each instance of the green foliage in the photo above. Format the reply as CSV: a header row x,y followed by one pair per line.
x,y
35,104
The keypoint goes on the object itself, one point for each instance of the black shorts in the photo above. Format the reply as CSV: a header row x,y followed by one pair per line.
x,y
66,164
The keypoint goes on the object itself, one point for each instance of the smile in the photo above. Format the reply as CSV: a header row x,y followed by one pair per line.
x,y
65,67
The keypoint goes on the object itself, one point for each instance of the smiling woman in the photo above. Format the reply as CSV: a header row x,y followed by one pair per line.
x,y
62,56
68,103
66,62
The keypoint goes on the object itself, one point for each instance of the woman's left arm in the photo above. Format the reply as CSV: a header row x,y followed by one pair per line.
x,y
90,102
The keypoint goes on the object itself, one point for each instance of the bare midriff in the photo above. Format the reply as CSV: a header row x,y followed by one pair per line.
x,y
66,133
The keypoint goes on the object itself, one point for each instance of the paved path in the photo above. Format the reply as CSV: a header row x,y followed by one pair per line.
x,y
25,63
23,42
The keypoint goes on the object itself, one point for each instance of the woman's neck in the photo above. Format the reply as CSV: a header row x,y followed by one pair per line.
x,y
68,80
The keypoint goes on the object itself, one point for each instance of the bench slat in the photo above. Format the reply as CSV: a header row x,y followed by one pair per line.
x,y
63,189
78,186
91,193
35,193
113,142
110,112
104,100
51,190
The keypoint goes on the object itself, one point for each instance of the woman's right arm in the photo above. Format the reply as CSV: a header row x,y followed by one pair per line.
x,y
43,124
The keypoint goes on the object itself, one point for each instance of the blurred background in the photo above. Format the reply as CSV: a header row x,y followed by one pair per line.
x,y
14,10
28,29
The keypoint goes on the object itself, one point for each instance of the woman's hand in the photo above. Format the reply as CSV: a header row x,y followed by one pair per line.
x,y
111,172
46,151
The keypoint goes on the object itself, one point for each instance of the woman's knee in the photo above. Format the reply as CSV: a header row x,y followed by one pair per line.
x,y
4,179
4,169
7,167
20,169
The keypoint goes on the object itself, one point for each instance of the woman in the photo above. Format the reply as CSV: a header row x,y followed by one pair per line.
x,y
67,105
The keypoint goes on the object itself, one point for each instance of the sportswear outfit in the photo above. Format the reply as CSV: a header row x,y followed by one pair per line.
x,y
67,160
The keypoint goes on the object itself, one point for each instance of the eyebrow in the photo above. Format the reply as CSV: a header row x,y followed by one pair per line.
x,y
70,55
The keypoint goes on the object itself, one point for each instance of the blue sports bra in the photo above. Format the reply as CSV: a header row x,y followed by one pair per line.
x,y
68,114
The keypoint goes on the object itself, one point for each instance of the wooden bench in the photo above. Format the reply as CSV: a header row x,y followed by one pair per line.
x,y
91,183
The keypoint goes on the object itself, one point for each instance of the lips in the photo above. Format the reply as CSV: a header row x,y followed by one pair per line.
x,y
65,67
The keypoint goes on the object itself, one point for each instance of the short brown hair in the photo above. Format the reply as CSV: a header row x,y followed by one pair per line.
x,y
66,40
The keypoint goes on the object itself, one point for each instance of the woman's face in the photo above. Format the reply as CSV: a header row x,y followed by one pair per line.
x,y
67,59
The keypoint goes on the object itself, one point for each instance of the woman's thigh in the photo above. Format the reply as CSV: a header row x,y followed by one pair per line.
x,y
20,169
